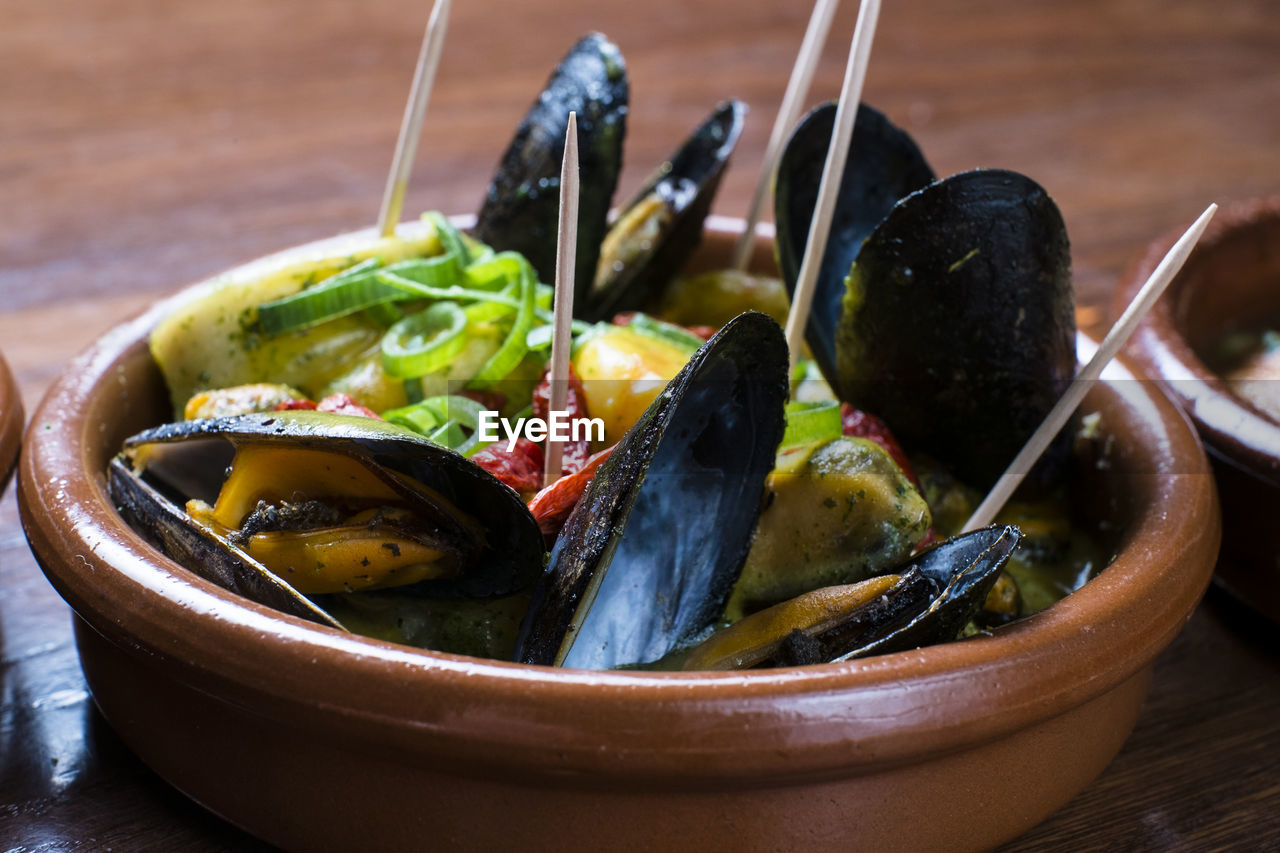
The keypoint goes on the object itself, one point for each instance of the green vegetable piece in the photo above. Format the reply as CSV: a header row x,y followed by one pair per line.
x,y
425,342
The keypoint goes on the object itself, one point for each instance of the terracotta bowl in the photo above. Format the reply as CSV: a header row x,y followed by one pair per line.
x,y
316,740
1231,281
10,423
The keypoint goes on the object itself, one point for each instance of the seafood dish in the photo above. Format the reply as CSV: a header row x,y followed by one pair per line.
x,y
335,452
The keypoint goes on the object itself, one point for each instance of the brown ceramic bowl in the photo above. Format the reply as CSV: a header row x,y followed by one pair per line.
x,y
10,423
1230,282
321,741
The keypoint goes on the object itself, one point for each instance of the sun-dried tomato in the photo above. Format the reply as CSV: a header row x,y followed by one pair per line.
x,y
552,505
295,404
575,453
491,400
341,404
520,468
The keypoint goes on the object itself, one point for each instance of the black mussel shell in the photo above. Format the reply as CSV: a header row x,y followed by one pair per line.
x,y
169,529
966,567
884,165
686,185
652,550
958,323
505,556
521,207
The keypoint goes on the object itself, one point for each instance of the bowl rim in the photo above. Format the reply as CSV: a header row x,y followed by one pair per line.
x,y
11,423
686,728
1235,431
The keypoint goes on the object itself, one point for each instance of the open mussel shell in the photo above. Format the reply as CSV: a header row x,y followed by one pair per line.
x,y
958,323
521,207
651,552
927,600
488,531
169,528
965,567
883,165
658,231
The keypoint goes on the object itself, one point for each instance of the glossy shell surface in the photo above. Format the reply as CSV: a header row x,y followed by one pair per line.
x,y
884,165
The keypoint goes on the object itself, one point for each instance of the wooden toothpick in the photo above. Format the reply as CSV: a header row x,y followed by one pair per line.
x,y
855,73
1067,403
815,36
411,125
562,332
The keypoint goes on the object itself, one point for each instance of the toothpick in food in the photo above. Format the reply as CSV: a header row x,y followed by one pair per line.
x,y
411,125
562,332
829,188
1067,403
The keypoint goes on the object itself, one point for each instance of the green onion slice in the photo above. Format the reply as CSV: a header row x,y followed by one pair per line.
x,y
450,420
449,236
809,423
425,342
515,345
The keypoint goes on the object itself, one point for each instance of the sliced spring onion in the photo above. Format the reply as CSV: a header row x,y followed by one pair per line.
x,y
515,345
809,423
449,237
345,294
450,420
425,342
539,337
384,314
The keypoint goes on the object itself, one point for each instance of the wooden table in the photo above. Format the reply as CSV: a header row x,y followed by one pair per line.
x,y
144,145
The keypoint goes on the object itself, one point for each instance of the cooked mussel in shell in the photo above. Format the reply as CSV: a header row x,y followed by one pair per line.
x,y
651,552
883,165
927,600
958,324
521,207
329,503
658,231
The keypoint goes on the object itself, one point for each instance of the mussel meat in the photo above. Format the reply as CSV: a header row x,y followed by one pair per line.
x,y
327,503
658,231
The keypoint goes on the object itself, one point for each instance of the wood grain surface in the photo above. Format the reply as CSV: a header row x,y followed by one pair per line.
x,y
145,144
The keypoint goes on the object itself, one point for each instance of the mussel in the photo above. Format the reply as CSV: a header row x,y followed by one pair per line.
x,y
883,165
326,503
649,556
521,207
958,326
927,600
658,231
621,267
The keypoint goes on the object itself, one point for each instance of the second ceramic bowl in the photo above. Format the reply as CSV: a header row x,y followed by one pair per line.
x,y
1230,283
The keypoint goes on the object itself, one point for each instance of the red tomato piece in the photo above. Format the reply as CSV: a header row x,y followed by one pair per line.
x,y
552,506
